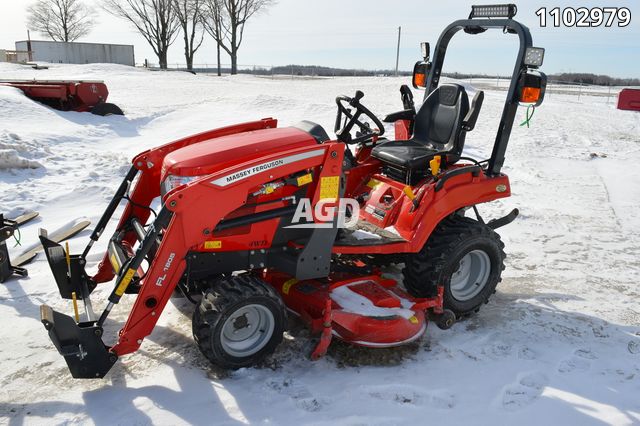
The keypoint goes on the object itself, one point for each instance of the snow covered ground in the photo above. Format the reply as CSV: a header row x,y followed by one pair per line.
x,y
558,344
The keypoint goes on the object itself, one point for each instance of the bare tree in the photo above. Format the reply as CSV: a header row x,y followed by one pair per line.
x,y
226,20
61,20
189,15
212,19
156,20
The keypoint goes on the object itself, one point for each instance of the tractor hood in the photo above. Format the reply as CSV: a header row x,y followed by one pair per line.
x,y
219,153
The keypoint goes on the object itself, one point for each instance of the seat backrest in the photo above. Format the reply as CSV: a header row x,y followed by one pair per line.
x,y
438,123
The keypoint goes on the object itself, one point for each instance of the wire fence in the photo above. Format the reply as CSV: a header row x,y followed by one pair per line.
x,y
276,70
581,91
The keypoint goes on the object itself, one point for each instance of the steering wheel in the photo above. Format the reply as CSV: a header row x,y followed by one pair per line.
x,y
366,132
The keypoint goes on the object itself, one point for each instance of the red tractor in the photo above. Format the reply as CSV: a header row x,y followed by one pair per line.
x,y
257,221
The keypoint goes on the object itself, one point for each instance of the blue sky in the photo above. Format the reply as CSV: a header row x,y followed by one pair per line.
x,y
362,34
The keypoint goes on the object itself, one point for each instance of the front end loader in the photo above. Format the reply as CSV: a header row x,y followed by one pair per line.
x,y
257,222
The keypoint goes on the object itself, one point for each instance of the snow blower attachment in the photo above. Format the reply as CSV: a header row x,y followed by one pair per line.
x,y
257,221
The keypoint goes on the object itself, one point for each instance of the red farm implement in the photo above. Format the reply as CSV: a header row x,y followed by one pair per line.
x,y
629,99
80,96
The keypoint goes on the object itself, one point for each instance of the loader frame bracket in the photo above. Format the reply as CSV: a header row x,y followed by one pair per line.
x,y
80,344
77,281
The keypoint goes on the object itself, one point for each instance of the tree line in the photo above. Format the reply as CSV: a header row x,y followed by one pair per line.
x,y
160,22
595,79
321,71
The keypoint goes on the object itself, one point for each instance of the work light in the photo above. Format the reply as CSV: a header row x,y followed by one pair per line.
x,y
494,11
534,56
426,50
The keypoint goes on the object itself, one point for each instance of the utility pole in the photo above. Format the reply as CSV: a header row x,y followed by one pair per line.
x,y
29,54
398,50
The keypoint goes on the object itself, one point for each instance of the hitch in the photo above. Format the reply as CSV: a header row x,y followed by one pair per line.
x,y
80,344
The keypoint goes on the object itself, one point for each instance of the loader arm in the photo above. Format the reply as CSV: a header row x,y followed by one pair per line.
x,y
188,228
188,218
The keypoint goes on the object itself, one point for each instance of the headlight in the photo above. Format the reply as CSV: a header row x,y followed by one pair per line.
x,y
172,182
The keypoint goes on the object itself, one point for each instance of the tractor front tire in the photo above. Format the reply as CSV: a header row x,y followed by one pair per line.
x,y
463,255
239,321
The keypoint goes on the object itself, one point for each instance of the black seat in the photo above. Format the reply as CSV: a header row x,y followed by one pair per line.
x,y
439,129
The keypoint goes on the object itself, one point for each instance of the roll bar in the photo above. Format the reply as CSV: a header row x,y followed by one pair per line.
x,y
475,26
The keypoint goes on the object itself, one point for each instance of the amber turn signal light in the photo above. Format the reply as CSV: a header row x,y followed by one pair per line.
x,y
420,71
530,95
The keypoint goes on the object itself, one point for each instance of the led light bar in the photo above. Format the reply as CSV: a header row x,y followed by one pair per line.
x,y
534,56
494,11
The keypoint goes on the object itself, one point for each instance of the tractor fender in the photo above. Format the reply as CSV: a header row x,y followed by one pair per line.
x,y
458,192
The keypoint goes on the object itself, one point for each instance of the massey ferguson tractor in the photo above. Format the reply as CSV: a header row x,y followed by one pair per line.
x,y
258,221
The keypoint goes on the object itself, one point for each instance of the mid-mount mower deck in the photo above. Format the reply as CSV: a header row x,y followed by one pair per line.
x,y
251,225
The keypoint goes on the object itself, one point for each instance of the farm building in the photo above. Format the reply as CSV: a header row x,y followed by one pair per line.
x,y
13,56
77,53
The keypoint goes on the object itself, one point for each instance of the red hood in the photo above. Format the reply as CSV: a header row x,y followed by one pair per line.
x,y
219,153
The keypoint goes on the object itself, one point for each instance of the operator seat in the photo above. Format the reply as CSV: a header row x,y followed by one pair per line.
x,y
440,128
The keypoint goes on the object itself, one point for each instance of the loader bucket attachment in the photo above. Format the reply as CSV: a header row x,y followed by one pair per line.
x,y
67,283
80,344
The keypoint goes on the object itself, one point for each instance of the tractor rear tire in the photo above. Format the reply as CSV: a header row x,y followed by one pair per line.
x,y
463,255
105,109
239,321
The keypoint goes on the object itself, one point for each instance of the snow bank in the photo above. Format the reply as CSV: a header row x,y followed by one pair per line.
x,y
15,106
10,159
18,154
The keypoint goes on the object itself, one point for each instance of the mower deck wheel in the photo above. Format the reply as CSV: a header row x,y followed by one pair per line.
x,y
463,255
239,321
445,320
